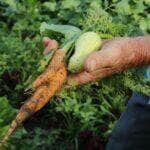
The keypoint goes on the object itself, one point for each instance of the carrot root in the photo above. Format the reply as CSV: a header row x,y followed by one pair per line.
x,y
46,86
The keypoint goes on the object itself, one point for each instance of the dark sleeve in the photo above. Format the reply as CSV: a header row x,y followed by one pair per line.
x,y
132,131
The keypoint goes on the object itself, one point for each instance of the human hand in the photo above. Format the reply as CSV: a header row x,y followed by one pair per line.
x,y
115,56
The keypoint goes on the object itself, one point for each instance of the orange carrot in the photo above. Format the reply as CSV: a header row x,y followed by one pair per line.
x,y
56,63
46,86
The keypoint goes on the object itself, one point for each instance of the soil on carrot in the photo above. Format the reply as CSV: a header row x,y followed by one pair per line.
x,y
87,139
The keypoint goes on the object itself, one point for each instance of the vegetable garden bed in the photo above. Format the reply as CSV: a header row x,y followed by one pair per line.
x,y
79,118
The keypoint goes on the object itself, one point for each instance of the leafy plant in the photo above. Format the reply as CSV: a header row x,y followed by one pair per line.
x,y
6,114
82,116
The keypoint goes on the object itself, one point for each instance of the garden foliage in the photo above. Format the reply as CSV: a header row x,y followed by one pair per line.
x,y
81,117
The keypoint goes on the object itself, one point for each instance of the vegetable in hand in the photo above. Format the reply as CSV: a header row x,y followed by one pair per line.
x,y
86,44
46,85
51,81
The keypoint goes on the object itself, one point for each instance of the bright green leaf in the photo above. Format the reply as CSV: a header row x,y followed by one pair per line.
x,y
70,4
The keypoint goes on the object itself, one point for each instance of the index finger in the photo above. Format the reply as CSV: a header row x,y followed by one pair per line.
x,y
50,44
80,78
87,77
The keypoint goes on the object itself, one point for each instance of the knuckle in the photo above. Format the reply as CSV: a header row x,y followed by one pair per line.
x,y
92,62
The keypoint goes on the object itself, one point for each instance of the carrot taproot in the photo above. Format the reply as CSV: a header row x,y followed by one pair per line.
x,y
46,86
51,70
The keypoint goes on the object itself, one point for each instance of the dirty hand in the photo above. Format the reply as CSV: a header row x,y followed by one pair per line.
x,y
115,56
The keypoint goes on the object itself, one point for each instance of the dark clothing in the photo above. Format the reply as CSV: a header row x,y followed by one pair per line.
x,y
132,131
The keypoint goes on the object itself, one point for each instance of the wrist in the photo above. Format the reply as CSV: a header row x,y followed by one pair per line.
x,y
139,49
142,50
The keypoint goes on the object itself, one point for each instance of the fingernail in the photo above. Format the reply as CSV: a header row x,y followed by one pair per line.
x,y
46,41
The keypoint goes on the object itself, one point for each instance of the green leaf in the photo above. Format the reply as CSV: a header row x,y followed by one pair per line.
x,y
139,7
11,3
50,5
70,4
145,24
147,2
3,131
7,113
67,30
45,61
71,33
69,44
123,7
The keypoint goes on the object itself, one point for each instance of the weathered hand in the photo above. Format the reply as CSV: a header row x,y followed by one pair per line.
x,y
115,56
